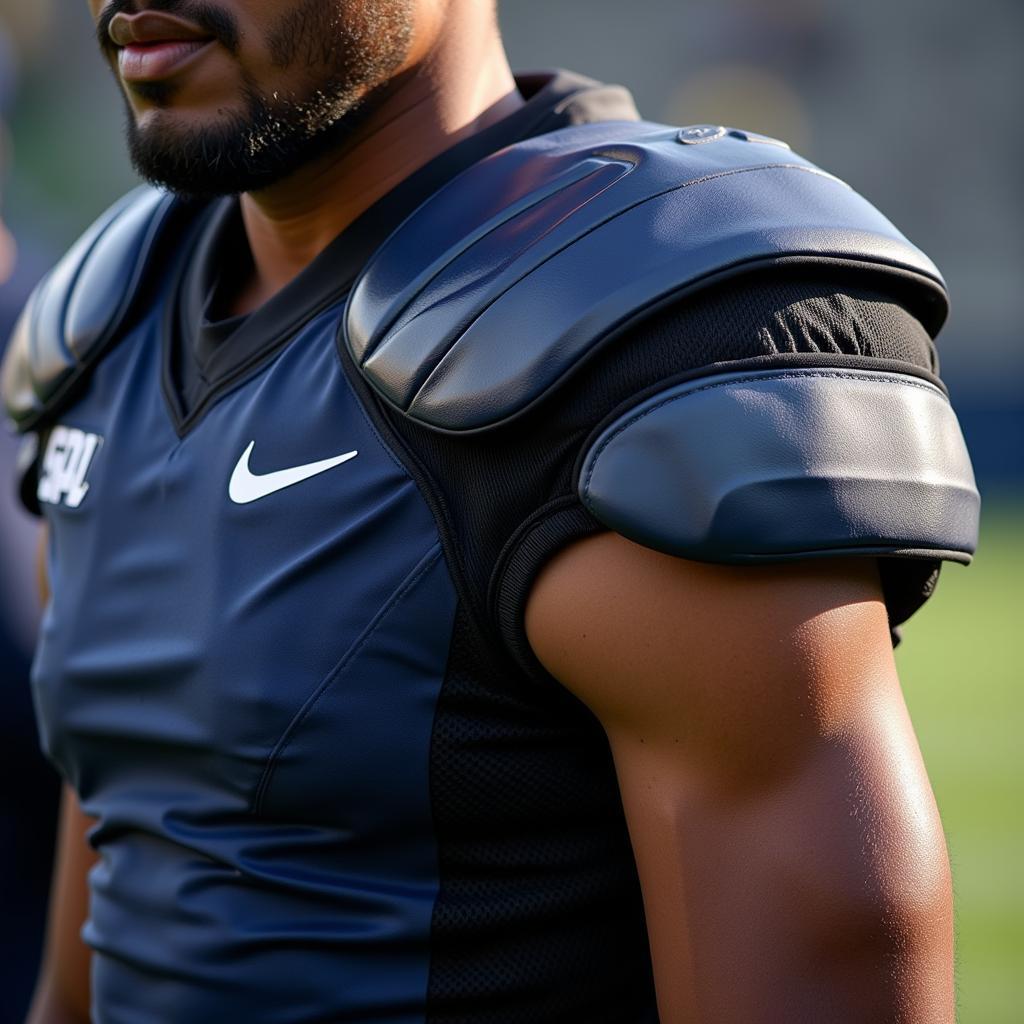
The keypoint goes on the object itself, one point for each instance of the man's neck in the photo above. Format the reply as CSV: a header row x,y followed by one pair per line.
x,y
446,97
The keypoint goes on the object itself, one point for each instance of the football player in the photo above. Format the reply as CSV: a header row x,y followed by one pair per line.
x,y
477,522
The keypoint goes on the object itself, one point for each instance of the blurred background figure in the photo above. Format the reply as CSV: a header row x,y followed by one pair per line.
x,y
917,106
29,791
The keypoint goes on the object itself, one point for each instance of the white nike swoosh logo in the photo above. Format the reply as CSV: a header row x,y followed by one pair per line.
x,y
246,486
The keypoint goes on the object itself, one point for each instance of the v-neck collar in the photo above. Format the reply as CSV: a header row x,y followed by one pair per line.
x,y
205,356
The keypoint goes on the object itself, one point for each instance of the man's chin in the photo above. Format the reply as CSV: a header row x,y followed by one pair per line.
x,y
202,154
194,152
195,159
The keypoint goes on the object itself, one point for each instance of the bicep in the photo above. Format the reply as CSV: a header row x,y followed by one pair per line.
x,y
62,992
42,575
785,834
653,642
63,988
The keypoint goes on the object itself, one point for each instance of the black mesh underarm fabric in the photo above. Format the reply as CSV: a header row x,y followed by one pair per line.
x,y
493,483
777,314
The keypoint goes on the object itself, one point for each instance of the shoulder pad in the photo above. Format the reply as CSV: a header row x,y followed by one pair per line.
x,y
788,463
76,310
506,280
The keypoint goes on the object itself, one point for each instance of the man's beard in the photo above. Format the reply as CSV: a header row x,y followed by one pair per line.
x,y
343,59
246,151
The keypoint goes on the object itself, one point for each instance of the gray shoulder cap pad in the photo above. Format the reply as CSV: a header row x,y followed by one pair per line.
x,y
787,464
76,309
509,278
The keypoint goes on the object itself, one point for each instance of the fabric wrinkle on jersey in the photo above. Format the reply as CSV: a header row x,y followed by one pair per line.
x,y
331,782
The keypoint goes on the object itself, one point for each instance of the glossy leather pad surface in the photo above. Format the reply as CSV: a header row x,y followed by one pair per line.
x,y
75,311
788,463
508,279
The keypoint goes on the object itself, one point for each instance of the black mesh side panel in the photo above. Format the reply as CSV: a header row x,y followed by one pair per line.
x,y
539,917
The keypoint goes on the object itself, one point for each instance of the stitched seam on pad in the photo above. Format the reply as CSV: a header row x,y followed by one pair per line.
x,y
418,572
837,375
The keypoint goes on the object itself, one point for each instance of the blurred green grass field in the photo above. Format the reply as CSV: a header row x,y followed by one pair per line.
x,y
962,667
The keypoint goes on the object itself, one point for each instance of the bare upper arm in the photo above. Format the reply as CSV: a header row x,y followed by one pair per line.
x,y
785,833
42,578
652,642
62,993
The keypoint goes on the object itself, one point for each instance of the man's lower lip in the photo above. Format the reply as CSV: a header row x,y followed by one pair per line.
x,y
154,61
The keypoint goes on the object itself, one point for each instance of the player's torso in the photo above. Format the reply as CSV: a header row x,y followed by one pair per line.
x,y
292,683
238,671
317,800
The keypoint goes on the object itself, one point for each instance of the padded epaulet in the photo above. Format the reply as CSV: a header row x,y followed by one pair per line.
x,y
785,463
509,278
75,312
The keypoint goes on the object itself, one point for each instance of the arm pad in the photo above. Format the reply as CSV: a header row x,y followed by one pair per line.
x,y
786,464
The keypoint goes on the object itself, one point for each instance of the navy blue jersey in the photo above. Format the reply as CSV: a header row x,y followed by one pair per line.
x,y
188,714
282,669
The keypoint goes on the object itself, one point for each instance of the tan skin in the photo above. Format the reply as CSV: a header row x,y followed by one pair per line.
x,y
789,848
790,853
62,993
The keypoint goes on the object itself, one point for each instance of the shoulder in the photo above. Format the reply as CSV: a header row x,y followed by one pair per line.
x,y
605,611
543,294
75,312
565,241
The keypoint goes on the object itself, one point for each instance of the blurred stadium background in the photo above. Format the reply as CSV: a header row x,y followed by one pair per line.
x,y
914,103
